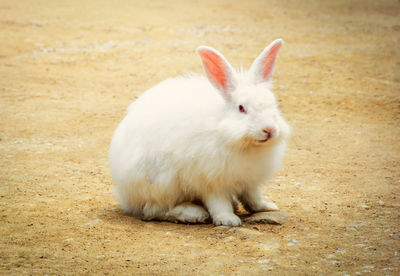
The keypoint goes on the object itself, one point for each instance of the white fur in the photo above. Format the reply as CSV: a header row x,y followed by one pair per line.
x,y
184,140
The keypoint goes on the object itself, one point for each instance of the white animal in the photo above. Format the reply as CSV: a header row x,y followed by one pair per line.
x,y
190,148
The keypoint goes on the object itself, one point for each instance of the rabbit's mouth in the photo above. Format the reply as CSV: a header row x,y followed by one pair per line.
x,y
267,137
256,141
264,140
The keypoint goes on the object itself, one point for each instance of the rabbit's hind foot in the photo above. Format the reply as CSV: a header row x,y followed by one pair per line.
x,y
188,212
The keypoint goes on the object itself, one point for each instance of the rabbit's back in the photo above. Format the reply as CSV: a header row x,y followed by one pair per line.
x,y
180,97
169,135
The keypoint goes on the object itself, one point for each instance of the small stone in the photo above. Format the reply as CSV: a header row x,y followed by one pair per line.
x,y
268,245
222,227
268,218
245,232
90,223
365,206
359,245
263,261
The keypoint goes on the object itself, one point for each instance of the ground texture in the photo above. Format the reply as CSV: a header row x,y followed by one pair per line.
x,y
69,69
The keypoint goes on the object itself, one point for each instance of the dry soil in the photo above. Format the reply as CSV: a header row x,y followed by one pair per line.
x,y
69,69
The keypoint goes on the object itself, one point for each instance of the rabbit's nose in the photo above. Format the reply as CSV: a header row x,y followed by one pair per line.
x,y
269,131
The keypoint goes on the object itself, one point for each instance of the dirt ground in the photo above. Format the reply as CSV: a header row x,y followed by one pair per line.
x,y
69,69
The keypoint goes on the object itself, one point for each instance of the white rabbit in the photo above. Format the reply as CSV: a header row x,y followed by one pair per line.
x,y
188,143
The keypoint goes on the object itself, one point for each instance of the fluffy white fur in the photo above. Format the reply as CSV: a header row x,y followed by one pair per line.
x,y
185,141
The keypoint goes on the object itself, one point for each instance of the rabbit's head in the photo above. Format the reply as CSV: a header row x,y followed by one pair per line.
x,y
252,117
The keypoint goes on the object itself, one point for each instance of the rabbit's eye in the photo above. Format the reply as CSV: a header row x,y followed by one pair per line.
x,y
242,109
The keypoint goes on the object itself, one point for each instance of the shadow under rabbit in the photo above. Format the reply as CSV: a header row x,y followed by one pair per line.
x,y
115,215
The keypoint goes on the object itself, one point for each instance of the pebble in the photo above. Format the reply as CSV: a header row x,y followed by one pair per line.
x,y
268,218
365,206
263,261
359,245
222,227
268,245
245,231
90,223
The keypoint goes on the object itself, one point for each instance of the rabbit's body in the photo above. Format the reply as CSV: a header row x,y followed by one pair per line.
x,y
183,142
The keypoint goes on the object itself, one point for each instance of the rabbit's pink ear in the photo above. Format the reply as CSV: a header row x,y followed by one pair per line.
x,y
263,65
218,70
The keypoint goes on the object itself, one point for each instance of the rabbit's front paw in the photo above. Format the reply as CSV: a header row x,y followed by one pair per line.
x,y
260,206
269,206
265,207
229,219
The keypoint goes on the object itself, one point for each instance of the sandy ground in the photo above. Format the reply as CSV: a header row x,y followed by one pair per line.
x,y
69,69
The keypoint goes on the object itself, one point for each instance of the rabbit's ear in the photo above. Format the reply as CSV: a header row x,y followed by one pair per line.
x,y
263,65
218,70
